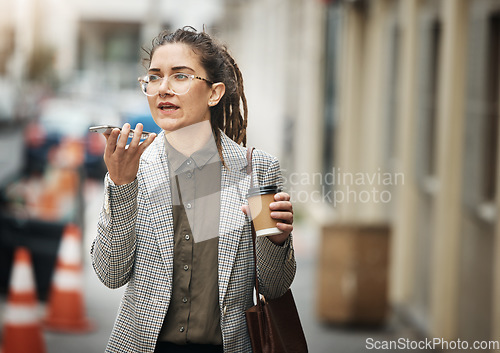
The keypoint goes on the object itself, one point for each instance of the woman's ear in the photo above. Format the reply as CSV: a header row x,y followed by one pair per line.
x,y
218,90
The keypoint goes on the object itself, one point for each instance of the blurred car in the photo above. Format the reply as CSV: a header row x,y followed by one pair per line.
x,y
61,120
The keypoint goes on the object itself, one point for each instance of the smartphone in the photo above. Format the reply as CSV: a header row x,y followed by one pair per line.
x,y
106,129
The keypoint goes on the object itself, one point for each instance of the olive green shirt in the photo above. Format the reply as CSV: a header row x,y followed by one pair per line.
x,y
193,315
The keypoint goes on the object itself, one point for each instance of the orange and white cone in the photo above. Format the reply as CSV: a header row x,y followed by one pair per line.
x,y
22,332
66,308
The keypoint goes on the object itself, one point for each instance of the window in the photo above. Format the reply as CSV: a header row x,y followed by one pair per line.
x,y
333,26
431,108
490,127
390,148
427,109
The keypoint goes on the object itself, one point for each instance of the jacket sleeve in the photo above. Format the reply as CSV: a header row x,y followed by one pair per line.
x,y
113,249
275,263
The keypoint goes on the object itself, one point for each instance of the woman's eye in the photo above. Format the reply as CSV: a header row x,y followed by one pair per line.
x,y
181,76
152,78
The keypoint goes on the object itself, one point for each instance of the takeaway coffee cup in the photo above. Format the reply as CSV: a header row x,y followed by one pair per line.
x,y
259,199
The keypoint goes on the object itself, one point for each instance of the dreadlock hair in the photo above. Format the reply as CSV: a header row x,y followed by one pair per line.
x,y
230,114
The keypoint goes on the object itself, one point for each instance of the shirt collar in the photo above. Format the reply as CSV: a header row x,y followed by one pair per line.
x,y
200,158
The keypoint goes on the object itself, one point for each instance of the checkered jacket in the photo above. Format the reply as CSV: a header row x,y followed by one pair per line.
x,y
135,246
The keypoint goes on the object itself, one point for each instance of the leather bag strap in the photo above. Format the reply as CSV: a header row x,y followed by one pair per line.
x,y
249,164
254,235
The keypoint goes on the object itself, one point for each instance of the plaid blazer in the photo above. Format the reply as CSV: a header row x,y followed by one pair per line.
x,y
135,246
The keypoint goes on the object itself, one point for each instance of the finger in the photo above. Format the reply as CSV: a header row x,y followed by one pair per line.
x,y
122,140
147,142
281,206
111,142
286,217
245,209
137,136
284,227
281,196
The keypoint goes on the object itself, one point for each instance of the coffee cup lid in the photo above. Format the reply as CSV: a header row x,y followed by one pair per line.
x,y
262,190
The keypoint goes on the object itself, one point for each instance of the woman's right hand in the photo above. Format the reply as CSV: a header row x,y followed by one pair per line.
x,y
122,161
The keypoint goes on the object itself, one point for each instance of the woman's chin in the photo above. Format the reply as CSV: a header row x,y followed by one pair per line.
x,y
169,124
194,127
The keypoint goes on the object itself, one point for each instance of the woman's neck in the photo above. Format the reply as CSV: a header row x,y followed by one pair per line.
x,y
190,139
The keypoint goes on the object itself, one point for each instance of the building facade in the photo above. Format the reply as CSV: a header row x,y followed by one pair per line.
x,y
416,94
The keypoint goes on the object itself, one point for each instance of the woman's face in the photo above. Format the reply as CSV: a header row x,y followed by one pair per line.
x,y
172,112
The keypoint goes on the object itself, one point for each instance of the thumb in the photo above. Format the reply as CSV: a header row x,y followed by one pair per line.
x,y
245,209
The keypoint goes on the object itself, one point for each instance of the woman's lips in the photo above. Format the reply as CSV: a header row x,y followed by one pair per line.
x,y
167,106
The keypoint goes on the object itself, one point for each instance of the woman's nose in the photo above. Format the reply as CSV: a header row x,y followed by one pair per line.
x,y
165,87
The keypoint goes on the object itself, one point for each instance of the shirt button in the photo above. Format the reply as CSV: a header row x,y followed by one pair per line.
x,y
189,175
188,162
186,267
184,300
186,237
188,206
181,329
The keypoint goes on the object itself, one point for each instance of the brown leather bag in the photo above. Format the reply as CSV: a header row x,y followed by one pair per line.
x,y
273,325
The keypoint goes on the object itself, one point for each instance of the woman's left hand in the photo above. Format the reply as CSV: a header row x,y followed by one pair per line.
x,y
282,211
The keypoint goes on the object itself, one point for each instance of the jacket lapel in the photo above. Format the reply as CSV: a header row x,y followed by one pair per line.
x,y
157,182
234,187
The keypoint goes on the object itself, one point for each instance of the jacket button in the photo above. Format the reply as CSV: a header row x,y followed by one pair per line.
x,y
224,310
181,329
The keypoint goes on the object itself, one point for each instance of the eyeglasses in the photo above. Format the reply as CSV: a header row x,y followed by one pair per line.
x,y
178,83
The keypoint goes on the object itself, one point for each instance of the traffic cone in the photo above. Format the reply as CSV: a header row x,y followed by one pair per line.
x,y
66,309
22,332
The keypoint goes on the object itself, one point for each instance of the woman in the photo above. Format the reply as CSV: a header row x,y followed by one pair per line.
x,y
173,224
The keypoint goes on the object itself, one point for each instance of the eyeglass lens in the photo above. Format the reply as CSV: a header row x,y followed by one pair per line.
x,y
177,83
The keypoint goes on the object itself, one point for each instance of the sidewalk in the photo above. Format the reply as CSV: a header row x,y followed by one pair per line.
x,y
102,303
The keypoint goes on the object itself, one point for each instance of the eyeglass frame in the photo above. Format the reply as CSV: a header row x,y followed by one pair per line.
x,y
191,77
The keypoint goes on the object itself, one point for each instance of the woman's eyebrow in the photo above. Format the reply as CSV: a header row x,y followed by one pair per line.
x,y
180,68
154,69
